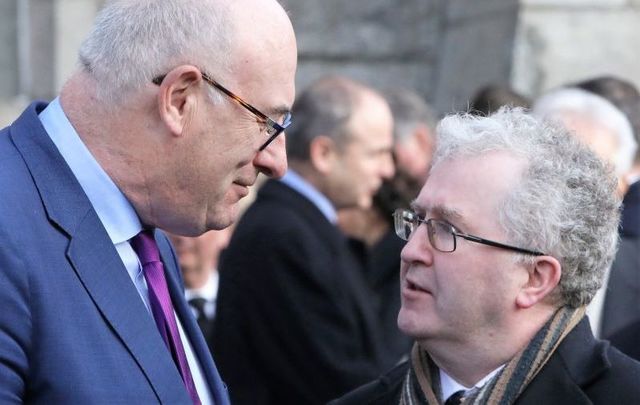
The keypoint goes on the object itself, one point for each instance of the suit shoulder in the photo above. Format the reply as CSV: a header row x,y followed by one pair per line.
x,y
384,390
617,383
624,371
626,340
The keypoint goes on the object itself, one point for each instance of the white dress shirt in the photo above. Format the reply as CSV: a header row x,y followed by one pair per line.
x,y
450,386
208,292
302,186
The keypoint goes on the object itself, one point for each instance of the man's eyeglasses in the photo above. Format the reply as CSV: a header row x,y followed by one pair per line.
x,y
273,128
442,235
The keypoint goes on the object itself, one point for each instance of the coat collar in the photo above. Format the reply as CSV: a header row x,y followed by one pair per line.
x,y
578,361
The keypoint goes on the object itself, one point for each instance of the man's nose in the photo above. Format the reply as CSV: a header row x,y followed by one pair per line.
x,y
387,167
272,161
418,248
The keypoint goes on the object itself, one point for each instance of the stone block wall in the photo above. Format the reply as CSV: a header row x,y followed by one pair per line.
x,y
445,49
437,47
39,41
562,41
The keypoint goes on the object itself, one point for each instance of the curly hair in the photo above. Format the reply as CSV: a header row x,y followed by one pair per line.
x,y
564,204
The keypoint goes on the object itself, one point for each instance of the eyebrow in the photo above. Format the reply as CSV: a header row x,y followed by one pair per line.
x,y
279,111
440,211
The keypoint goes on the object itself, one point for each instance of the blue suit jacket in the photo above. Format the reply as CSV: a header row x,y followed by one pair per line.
x,y
73,328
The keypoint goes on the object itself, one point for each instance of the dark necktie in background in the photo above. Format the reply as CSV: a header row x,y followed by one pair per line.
x,y
455,398
147,250
198,304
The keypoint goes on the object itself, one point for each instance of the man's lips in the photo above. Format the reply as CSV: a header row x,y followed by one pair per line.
x,y
242,185
413,287
242,189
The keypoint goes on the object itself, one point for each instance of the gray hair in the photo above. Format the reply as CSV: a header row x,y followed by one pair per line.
x,y
592,108
323,108
563,205
409,110
133,41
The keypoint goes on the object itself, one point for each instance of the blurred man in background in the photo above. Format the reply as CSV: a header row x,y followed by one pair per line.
x,y
621,312
198,261
294,323
607,131
488,99
371,229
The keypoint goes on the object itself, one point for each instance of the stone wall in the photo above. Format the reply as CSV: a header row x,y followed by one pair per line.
x,y
562,41
438,47
445,49
39,41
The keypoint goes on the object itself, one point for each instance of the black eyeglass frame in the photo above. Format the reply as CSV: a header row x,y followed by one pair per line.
x,y
273,128
399,215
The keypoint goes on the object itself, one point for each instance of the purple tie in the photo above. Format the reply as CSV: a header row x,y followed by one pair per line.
x,y
145,246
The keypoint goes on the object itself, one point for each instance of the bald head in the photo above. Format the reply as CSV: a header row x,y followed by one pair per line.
x,y
263,50
164,78
168,33
325,108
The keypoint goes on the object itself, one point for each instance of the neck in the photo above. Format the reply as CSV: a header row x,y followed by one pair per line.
x,y
309,173
471,360
107,133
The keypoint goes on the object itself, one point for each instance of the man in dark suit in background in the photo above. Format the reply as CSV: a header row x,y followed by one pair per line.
x,y
607,131
627,340
622,301
294,322
141,137
626,97
198,260
373,238
508,242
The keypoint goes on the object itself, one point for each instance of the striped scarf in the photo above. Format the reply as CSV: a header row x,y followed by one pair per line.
x,y
422,383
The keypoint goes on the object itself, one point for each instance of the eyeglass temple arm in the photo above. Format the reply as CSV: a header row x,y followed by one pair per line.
x,y
497,244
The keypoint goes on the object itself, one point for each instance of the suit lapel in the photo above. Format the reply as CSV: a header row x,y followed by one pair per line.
x,y
103,275
553,386
94,258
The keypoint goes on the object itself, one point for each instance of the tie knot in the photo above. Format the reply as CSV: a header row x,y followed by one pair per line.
x,y
145,247
455,398
198,303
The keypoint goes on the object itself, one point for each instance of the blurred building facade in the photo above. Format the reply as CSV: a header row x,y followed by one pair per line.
x,y
560,41
40,39
445,49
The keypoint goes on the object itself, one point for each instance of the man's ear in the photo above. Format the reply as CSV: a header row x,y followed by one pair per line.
x,y
322,153
424,138
542,279
178,97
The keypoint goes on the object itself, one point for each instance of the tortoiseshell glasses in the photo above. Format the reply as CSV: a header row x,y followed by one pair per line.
x,y
273,128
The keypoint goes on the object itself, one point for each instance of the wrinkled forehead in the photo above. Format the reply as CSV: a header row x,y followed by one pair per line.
x,y
466,186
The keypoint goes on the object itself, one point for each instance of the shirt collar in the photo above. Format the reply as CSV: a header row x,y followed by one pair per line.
x,y
114,210
209,291
298,183
450,386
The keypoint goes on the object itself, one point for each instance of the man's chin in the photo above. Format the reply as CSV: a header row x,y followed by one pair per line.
x,y
365,202
224,219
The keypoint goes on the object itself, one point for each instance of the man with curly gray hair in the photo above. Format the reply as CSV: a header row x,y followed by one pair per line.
x,y
507,243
